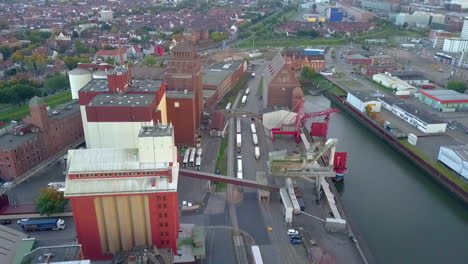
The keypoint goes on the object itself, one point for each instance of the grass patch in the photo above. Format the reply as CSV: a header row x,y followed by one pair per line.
x,y
439,167
221,162
19,112
4,105
187,241
337,91
231,96
260,88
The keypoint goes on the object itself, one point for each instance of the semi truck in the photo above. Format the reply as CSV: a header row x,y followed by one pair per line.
x,y
239,167
255,139
42,224
239,142
252,127
244,100
198,163
257,152
238,125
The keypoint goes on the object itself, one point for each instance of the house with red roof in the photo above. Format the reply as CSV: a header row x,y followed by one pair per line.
x,y
116,54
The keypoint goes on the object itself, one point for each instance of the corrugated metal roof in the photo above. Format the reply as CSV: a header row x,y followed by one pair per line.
x,y
108,160
460,150
10,241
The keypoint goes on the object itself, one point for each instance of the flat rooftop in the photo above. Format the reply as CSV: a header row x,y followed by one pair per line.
x,y
446,95
109,160
100,85
128,99
366,95
9,141
180,94
156,131
420,113
63,111
215,76
231,65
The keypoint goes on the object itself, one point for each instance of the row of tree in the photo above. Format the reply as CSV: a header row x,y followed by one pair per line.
x,y
14,91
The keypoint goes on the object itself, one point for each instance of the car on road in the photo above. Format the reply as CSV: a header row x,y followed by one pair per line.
x,y
7,184
296,241
19,222
293,232
5,222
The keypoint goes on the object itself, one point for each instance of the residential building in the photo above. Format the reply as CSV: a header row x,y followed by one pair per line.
x,y
184,93
43,134
363,99
117,55
297,60
279,84
445,100
124,198
219,79
106,15
455,45
62,36
9,42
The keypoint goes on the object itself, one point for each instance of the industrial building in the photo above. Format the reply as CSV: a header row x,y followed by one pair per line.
x,y
455,45
335,14
280,85
419,19
438,33
401,88
371,70
456,158
297,60
123,198
117,107
357,14
43,134
113,100
445,100
414,78
184,93
420,118
219,79
362,99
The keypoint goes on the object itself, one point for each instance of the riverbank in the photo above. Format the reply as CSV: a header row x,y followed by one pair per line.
x,y
424,165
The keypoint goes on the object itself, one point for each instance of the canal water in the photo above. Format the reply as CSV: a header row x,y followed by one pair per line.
x,y
404,216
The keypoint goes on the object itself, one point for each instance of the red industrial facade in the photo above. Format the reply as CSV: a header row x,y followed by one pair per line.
x,y
163,211
56,129
184,86
297,60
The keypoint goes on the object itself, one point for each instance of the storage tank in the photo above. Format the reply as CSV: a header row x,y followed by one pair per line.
x,y
99,74
78,78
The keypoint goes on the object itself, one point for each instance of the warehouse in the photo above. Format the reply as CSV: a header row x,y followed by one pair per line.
x,y
456,158
445,100
415,78
401,88
419,118
362,99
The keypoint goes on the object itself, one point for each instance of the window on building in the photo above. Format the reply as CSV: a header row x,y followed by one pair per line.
x,y
161,234
160,215
161,224
166,224
165,206
167,242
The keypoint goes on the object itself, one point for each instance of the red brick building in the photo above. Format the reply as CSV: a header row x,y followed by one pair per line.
x,y
279,82
437,33
48,132
297,60
379,60
184,93
124,198
371,70
358,59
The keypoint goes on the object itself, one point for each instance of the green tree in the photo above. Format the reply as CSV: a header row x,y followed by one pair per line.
x,y
458,86
56,83
149,61
24,92
72,62
50,201
6,51
17,56
307,73
80,47
217,36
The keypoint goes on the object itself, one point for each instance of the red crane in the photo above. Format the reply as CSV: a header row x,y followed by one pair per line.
x,y
300,120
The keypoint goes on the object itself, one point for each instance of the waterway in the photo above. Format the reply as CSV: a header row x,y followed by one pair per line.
x,y
404,216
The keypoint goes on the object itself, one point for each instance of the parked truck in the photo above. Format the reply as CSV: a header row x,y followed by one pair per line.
x,y
239,142
24,128
42,224
255,139
257,152
244,100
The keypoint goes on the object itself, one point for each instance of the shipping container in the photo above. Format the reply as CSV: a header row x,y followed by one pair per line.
x,y
238,125
239,142
186,157
198,163
192,157
239,168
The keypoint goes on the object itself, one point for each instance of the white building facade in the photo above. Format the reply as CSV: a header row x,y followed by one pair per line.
x,y
455,45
